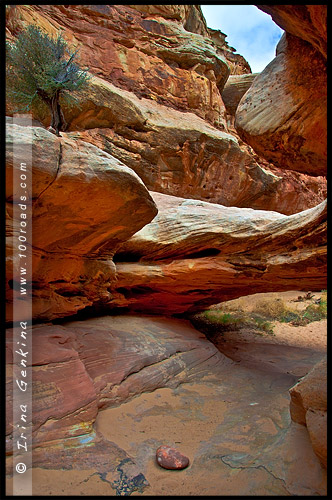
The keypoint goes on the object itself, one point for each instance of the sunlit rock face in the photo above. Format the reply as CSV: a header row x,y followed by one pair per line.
x,y
283,115
194,254
155,102
83,204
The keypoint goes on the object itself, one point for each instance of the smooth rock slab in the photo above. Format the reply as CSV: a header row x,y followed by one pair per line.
x,y
171,458
283,114
194,254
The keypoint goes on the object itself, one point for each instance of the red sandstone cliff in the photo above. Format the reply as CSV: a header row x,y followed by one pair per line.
x,y
156,103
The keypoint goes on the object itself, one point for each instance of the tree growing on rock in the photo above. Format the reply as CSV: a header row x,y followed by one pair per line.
x,y
40,68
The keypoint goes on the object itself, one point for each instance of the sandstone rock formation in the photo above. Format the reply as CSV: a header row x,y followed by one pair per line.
x,y
283,115
155,103
81,367
72,264
235,87
308,22
194,254
84,203
154,119
308,407
180,154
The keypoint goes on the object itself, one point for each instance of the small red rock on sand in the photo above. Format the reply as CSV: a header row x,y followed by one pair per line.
x,y
171,458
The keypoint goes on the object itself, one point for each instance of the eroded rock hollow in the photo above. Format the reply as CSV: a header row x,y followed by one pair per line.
x,y
183,180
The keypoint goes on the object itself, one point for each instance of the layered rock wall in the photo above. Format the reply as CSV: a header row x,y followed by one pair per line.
x,y
155,103
154,118
194,254
83,204
283,115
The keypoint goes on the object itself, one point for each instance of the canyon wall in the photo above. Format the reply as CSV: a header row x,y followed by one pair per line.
x,y
161,198
283,116
155,102
135,131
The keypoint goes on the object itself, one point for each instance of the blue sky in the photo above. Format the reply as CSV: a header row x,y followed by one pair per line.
x,y
249,30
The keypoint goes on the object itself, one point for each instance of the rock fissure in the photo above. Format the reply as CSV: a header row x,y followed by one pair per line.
x,y
263,467
55,176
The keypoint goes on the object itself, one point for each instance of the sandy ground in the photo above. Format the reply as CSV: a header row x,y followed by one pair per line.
x,y
236,431
313,335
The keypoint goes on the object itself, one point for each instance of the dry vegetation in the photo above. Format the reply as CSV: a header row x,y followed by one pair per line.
x,y
259,315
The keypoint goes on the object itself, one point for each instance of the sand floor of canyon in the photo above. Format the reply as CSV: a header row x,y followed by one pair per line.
x,y
234,426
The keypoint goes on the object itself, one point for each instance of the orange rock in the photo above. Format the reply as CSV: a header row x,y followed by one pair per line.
x,y
316,422
171,458
283,115
308,407
194,254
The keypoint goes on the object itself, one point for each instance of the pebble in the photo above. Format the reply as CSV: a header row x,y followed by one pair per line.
x,y
171,458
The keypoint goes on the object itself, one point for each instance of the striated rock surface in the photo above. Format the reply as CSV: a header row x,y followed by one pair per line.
x,y
235,87
308,407
283,115
81,367
155,103
194,254
230,419
91,202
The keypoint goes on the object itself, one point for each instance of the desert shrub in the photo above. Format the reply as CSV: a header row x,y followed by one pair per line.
x,y
261,324
290,316
41,70
315,312
271,309
221,317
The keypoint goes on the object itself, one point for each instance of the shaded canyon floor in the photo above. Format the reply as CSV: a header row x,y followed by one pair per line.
x,y
230,417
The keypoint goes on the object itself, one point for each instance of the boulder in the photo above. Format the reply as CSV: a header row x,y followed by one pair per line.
x,y
283,116
170,458
194,254
308,407
83,204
